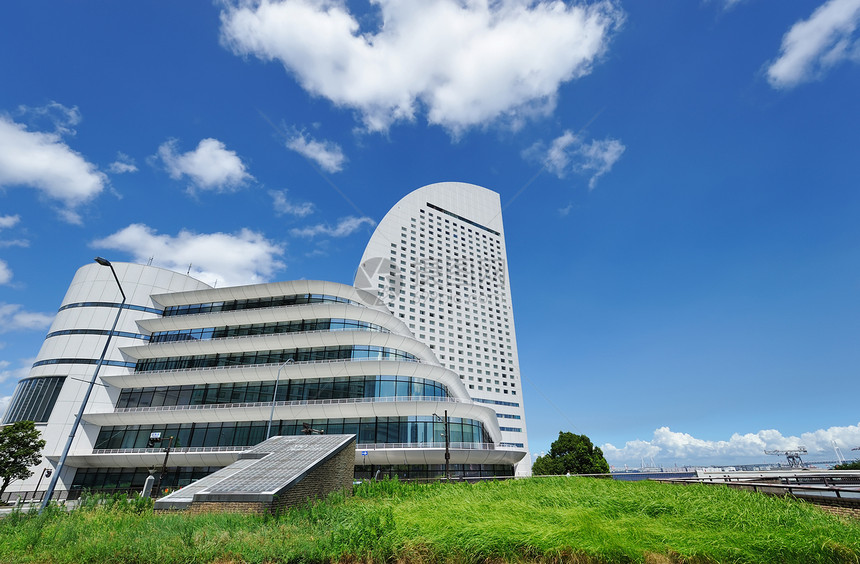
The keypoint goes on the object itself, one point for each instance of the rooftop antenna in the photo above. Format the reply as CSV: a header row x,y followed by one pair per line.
x,y
188,272
793,456
149,262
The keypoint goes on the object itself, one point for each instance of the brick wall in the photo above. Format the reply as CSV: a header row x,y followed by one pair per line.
x,y
226,507
333,475
839,506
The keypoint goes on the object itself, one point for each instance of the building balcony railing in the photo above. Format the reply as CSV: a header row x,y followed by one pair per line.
x,y
179,337
275,365
358,447
440,445
162,408
158,450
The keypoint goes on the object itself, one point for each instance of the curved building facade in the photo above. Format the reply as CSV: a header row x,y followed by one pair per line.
x,y
426,334
438,261
52,392
210,366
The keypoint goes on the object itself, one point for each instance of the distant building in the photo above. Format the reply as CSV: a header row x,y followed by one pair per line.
x,y
200,364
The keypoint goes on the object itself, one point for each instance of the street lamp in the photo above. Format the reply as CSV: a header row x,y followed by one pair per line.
x,y
50,491
163,466
274,396
447,446
45,473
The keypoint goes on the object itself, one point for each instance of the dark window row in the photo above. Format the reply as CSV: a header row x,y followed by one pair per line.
x,y
288,390
34,399
343,352
507,416
179,476
414,429
97,332
496,402
511,429
255,303
134,478
112,304
461,218
513,445
301,325
433,471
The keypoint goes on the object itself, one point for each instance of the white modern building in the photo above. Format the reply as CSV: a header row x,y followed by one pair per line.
x,y
211,366
438,261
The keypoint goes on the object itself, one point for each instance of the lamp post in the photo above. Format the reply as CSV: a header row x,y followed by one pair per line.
x,y
447,446
46,472
50,491
274,397
163,467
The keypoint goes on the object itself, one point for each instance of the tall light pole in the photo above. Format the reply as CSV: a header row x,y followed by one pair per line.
x,y
274,396
447,446
157,487
46,472
50,491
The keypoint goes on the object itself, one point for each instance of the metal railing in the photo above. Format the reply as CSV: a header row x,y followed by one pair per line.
x,y
360,446
274,364
782,487
294,403
163,341
441,445
159,450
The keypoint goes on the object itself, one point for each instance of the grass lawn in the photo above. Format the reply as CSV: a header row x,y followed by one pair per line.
x,y
536,520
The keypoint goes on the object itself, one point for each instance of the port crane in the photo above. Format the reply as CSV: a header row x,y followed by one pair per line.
x,y
793,456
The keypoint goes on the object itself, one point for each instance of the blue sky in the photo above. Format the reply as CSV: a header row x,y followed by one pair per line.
x,y
679,182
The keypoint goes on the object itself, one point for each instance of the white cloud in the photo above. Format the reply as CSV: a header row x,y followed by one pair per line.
x,y
326,154
209,167
5,273
44,162
7,374
565,211
62,118
4,405
283,206
466,63
14,318
344,227
813,46
7,221
668,446
728,4
570,153
122,164
224,259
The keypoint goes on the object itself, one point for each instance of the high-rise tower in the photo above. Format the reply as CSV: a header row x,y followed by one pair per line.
x,y
438,261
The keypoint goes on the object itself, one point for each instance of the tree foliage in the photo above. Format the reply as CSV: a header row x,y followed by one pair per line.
x,y
571,453
855,465
20,448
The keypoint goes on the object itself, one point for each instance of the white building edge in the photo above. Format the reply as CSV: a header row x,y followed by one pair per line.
x,y
200,363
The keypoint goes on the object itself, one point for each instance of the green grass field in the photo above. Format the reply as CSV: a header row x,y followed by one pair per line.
x,y
537,520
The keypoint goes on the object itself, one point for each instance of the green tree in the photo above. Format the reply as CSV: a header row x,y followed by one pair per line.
x,y
20,448
855,465
571,453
